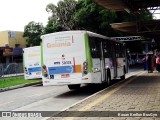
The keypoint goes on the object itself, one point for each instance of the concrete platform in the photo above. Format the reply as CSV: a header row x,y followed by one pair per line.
x,y
137,98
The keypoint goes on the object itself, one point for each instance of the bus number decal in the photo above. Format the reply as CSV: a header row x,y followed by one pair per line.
x,y
66,62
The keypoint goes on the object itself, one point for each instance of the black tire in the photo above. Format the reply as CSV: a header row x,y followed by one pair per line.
x,y
74,87
123,77
108,77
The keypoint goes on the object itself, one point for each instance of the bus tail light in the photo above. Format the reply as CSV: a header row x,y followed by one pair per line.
x,y
85,67
25,70
44,71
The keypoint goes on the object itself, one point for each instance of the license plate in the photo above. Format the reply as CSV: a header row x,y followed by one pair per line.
x,y
65,76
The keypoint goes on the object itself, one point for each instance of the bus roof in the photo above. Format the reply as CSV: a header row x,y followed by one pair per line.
x,y
102,36
92,34
31,47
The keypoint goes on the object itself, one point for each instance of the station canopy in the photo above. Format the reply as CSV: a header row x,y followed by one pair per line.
x,y
144,28
130,5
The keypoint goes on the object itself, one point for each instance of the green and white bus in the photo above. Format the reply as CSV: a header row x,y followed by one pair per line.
x,y
32,62
78,57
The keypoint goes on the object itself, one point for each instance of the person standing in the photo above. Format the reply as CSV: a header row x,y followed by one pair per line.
x,y
158,63
144,62
149,62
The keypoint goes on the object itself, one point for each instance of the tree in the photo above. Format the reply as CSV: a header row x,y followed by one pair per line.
x,y
144,16
93,17
52,27
63,13
32,32
87,15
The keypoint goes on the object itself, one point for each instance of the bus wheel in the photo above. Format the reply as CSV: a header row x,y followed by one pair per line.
x,y
123,77
108,78
74,87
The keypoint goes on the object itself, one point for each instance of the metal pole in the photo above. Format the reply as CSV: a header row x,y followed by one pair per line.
x,y
146,47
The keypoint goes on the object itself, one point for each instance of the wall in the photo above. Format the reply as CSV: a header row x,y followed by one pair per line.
x,y
17,39
3,38
11,38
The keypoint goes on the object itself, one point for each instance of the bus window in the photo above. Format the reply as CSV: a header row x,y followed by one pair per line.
x,y
120,50
117,50
95,47
107,50
123,50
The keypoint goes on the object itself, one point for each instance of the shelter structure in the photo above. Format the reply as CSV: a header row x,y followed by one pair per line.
x,y
144,28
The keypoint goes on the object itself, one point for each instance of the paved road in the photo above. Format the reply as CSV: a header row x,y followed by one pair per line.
x,y
51,98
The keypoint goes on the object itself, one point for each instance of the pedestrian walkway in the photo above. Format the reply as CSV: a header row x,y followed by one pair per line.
x,y
137,98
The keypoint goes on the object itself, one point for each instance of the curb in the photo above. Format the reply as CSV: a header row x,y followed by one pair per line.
x,y
19,86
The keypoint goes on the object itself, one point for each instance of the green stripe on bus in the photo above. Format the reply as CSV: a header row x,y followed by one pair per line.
x,y
88,53
23,60
41,54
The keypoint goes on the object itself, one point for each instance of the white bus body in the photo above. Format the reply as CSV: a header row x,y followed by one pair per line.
x,y
32,62
76,57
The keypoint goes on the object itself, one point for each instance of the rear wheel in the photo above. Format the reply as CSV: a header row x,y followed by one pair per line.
x,y
74,87
123,77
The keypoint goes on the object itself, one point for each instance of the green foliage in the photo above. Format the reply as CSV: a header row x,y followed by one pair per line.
x,y
13,81
93,17
32,32
81,15
144,15
63,14
87,15
51,27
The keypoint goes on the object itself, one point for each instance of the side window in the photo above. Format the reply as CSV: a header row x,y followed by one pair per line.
x,y
120,50
123,50
95,47
107,49
112,50
117,50
17,45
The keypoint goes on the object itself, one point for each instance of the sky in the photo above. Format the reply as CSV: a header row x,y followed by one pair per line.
x,y
15,14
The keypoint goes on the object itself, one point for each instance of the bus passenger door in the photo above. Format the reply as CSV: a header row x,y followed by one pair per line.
x,y
102,60
95,46
113,58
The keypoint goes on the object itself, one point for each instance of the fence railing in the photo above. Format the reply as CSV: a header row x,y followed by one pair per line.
x,y
11,69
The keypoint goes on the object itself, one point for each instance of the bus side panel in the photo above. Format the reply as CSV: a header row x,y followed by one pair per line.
x,y
32,63
63,57
97,70
120,66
